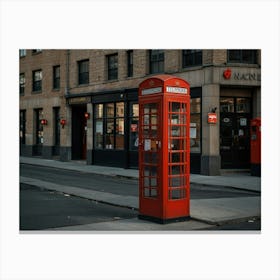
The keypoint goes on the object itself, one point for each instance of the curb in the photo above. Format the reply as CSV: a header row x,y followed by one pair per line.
x,y
226,186
136,178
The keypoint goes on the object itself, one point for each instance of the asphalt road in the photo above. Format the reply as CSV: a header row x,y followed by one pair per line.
x,y
122,186
42,209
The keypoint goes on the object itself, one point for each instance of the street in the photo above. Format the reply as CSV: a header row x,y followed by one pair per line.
x,y
122,186
43,209
48,209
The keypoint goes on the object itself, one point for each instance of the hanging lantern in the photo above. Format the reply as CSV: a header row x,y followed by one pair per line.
x,y
44,122
87,115
63,122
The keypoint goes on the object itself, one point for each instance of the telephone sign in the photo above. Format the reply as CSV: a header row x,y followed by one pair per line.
x,y
212,118
164,149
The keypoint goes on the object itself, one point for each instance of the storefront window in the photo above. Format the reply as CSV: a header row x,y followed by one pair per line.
x,y
243,105
133,127
226,105
109,126
195,128
109,135
98,135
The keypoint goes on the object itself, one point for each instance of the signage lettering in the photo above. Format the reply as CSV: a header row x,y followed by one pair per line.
x,y
151,90
176,90
79,100
247,76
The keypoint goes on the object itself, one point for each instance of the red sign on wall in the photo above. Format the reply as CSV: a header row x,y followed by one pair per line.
x,y
227,74
212,118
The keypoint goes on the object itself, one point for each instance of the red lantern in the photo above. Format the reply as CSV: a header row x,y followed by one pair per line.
x,y
87,115
44,122
63,122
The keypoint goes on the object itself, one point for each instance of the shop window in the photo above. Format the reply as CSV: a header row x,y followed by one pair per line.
x,y
133,126
242,56
112,62
156,58
195,125
243,105
37,80
83,72
191,58
56,77
109,126
21,83
227,105
98,135
129,63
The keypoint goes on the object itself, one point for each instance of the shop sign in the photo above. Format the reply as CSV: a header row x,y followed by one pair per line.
x,y
227,74
247,76
151,90
176,90
79,100
212,118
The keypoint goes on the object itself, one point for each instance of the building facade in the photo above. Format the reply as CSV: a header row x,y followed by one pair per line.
x,y
83,104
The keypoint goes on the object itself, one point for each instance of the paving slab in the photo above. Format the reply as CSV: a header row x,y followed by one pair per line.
x,y
219,211
128,225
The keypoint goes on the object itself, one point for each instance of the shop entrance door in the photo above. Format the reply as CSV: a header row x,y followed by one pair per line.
x,y
150,155
79,132
235,115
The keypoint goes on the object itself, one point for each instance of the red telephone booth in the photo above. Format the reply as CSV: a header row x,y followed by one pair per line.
x,y
164,149
256,147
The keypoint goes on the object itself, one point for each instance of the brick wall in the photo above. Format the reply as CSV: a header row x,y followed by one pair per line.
x,y
48,97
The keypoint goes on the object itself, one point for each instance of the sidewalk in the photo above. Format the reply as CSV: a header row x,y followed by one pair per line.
x,y
234,180
211,211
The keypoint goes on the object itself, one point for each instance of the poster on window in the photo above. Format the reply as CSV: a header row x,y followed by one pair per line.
x,y
147,145
192,130
243,121
99,127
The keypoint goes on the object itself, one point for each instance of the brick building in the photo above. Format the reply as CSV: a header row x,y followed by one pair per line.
x,y
60,85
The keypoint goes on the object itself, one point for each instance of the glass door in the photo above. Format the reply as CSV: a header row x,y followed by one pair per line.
x,y
149,150
178,150
235,115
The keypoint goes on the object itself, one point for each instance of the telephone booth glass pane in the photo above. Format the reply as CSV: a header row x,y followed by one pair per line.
x,y
150,134
177,149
